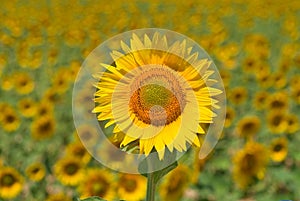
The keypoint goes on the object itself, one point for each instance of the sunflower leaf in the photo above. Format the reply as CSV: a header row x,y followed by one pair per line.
x,y
94,198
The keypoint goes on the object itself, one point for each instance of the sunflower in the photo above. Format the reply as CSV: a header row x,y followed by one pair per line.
x,y
293,123
264,78
279,80
36,171
257,44
23,83
77,150
250,64
88,134
248,126
149,94
279,149
295,81
97,182
73,70
238,95
51,96
59,197
43,127
61,80
11,183
85,99
278,101
9,119
260,100
69,171
230,114
132,187
249,163
52,55
27,107
112,156
175,183
45,108
226,77
277,121
296,93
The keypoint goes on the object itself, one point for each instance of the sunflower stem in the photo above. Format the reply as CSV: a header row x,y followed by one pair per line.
x,y
150,187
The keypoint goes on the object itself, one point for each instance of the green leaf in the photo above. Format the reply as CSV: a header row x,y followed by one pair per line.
x,y
94,198
153,163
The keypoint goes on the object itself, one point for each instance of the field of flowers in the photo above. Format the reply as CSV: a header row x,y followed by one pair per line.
x,y
255,45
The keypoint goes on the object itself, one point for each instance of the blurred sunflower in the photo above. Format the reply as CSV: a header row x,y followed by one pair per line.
x,y
59,197
88,134
27,107
175,183
296,93
238,95
292,123
73,70
3,62
278,101
23,83
277,121
51,96
279,149
260,100
249,163
45,108
230,114
279,80
43,127
248,126
36,171
61,81
153,91
250,64
226,77
97,182
264,78
69,171
85,99
9,119
11,183
295,81
132,187
77,150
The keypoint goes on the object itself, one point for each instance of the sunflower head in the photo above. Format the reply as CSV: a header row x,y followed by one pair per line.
x,y
249,163
156,89
36,171
279,149
11,183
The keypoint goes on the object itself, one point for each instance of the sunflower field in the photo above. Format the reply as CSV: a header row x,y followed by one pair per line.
x,y
255,45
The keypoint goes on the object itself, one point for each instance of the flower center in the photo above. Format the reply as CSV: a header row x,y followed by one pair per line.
x,y
8,180
35,170
157,96
248,163
129,185
278,148
71,168
99,187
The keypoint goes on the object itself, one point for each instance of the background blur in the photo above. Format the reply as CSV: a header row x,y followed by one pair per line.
x,y
254,44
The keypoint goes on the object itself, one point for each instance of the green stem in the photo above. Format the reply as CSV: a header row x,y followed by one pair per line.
x,y
150,187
